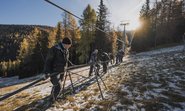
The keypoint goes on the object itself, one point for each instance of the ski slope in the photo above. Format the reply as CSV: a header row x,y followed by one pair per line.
x,y
146,81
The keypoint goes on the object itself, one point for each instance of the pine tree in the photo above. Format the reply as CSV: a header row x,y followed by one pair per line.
x,y
145,11
58,32
4,69
51,38
72,31
146,32
24,50
113,41
74,34
178,20
70,27
29,59
101,39
1,69
9,67
40,52
65,25
145,15
87,34
163,24
119,34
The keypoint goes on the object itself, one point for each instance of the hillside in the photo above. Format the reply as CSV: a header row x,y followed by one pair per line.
x,y
11,36
147,81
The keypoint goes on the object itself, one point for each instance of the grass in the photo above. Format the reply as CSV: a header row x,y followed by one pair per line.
x,y
9,89
70,99
20,100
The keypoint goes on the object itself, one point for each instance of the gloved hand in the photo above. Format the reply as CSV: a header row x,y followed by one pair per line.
x,y
45,76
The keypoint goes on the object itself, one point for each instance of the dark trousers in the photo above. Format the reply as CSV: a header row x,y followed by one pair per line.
x,y
121,59
92,67
56,81
105,67
117,59
112,61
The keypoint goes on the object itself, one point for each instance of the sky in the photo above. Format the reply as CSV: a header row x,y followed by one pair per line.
x,y
39,12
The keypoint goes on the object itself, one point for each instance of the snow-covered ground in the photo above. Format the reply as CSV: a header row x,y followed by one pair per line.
x,y
148,81
15,80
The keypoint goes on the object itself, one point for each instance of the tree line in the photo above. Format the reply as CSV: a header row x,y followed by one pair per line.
x,y
24,50
32,48
163,22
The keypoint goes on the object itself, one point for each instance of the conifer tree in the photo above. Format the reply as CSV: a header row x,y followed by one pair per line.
x,y
101,39
24,50
51,38
87,34
58,32
72,31
113,41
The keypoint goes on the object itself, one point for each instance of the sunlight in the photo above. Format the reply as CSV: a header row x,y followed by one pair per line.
x,y
134,24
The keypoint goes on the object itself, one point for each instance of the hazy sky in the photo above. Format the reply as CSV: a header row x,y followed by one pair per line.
x,y
41,13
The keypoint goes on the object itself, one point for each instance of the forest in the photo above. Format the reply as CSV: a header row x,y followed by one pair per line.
x,y
23,48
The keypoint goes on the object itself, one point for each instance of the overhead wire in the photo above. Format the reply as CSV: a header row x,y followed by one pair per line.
x,y
21,89
80,18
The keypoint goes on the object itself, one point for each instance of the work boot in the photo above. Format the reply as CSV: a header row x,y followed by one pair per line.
x,y
98,74
104,72
90,74
51,100
55,104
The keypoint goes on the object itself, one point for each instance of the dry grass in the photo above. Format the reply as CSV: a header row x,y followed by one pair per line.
x,y
70,99
9,89
20,100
